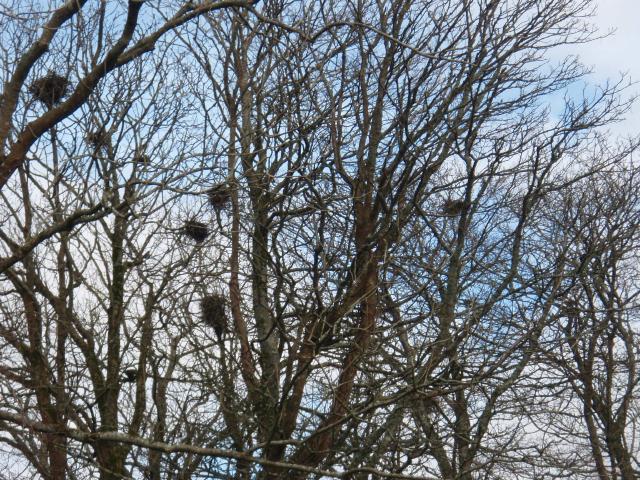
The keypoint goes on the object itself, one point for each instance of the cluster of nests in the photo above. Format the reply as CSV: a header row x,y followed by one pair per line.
x,y
219,196
50,89
213,307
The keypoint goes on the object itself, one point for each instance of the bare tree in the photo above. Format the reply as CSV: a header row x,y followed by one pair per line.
x,y
83,306
37,42
593,347
303,240
402,137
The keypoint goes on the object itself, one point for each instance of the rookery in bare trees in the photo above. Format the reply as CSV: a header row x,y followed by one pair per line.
x,y
428,269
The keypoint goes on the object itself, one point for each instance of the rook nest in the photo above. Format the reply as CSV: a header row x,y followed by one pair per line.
x,y
197,231
130,375
214,313
219,195
141,158
49,89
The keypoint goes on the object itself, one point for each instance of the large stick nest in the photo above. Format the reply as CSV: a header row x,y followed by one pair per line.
x,y
214,313
49,89
130,375
141,158
195,230
219,195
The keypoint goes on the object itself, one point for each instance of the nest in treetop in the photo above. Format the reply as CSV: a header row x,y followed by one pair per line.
x,y
141,158
214,313
219,195
49,89
197,231
130,375
453,207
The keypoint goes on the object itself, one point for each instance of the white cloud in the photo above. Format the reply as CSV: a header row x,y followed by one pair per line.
x,y
619,52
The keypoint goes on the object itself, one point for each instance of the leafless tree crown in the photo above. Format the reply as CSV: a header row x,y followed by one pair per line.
x,y
313,240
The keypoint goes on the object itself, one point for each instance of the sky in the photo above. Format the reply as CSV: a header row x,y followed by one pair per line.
x,y
618,53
